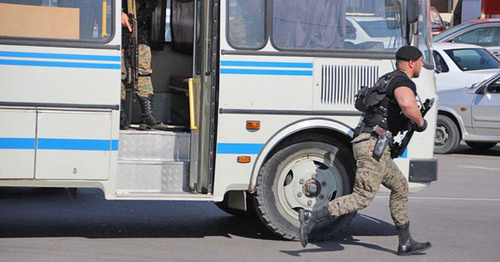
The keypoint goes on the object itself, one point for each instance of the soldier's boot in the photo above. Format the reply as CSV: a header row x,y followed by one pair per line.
x,y
148,121
124,122
408,246
308,219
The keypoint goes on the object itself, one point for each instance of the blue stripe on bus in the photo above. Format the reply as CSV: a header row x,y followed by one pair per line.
x,y
231,148
267,64
59,144
61,56
17,143
265,72
76,144
405,153
59,64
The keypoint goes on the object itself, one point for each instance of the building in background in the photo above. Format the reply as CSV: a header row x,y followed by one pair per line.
x,y
457,11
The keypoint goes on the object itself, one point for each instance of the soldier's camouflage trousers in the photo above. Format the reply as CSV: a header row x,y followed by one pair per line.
x,y
370,174
144,84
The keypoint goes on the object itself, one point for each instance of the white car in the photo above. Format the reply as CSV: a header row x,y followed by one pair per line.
x,y
462,65
372,32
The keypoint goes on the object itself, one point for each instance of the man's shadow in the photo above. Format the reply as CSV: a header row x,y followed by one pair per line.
x,y
362,225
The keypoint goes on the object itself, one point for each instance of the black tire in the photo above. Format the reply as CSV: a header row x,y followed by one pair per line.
x,y
447,136
331,161
481,145
250,212
157,37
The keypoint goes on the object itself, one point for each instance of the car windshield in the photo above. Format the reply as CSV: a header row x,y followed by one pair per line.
x,y
495,76
473,59
450,31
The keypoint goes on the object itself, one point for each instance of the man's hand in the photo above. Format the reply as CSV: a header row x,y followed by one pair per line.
x,y
421,128
126,22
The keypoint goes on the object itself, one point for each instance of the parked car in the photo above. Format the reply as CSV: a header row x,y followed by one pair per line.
x,y
437,23
483,32
371,32
469,114
461,65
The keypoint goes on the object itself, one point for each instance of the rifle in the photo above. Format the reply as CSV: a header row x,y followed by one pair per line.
x,y
398,149
132,51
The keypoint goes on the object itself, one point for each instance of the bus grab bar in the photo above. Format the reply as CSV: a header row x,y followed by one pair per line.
x,y
192,115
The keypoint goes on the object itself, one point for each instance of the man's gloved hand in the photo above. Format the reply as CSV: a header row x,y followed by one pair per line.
x,y
421,128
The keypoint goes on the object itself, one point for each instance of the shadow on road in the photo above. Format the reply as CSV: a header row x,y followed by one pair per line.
x,y
48,212
464,149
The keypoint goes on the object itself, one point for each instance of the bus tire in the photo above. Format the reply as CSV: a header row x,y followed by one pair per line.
x,y
447,137
281,183
157,36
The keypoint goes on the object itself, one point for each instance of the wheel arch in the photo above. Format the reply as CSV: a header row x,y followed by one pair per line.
x,y
301,131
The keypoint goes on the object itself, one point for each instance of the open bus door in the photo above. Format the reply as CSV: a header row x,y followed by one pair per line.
x,y
202,96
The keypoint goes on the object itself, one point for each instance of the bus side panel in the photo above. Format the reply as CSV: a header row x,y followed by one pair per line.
x,y
17,143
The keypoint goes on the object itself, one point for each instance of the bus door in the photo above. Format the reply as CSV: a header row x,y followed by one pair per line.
x,y
202,96
60,93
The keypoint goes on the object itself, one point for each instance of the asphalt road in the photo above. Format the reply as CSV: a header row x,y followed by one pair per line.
x,y
459,214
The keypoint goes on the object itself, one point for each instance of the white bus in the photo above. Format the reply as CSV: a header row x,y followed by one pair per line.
x,y
270,113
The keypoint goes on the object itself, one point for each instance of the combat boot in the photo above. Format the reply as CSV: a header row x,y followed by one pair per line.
x,y
308,219
148,121
408,246
124,122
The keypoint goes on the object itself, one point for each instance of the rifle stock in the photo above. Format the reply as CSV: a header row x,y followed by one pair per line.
x,y
398,149
132,53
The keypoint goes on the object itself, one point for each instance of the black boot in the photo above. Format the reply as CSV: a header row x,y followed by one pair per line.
x,y
308,219
124,122
408,246
147,118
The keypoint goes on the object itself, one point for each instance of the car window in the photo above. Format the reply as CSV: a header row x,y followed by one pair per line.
x,y
485,36
473,59
440,63
494,87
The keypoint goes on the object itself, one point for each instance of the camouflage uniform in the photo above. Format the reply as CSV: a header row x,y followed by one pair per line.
x,y
370,174
144,83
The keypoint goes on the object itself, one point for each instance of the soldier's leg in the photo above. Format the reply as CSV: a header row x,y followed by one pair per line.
x,y
145,88
144,83
395,181
369,175
124,122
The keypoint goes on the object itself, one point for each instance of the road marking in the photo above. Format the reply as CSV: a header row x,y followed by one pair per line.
x,y
451,198
481,167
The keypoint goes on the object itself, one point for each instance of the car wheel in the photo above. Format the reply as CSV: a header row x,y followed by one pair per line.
x,y
447,136
305,175
481,145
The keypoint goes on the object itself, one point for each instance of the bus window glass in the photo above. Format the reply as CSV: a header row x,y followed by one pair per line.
x,y
424,34
83,20
337,25
246,23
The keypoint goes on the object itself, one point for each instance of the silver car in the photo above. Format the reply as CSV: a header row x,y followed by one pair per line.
x,y
483,32
470,114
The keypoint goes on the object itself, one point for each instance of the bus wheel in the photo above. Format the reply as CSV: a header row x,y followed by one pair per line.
x,y
305,175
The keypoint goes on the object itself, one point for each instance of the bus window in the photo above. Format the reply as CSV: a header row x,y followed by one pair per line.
x,y
336,25
56,19
246,23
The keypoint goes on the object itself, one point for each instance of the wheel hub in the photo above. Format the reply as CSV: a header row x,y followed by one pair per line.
x,y
441,137
312,188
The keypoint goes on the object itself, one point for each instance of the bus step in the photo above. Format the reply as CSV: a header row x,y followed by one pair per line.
x,y
156,176
154,145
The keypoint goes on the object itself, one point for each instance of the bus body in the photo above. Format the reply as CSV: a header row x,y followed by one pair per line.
x,y
271,95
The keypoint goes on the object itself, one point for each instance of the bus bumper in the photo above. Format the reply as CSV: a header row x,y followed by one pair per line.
x,y
423,170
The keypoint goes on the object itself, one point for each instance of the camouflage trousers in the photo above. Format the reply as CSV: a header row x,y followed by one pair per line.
x,y
370,174
144,83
